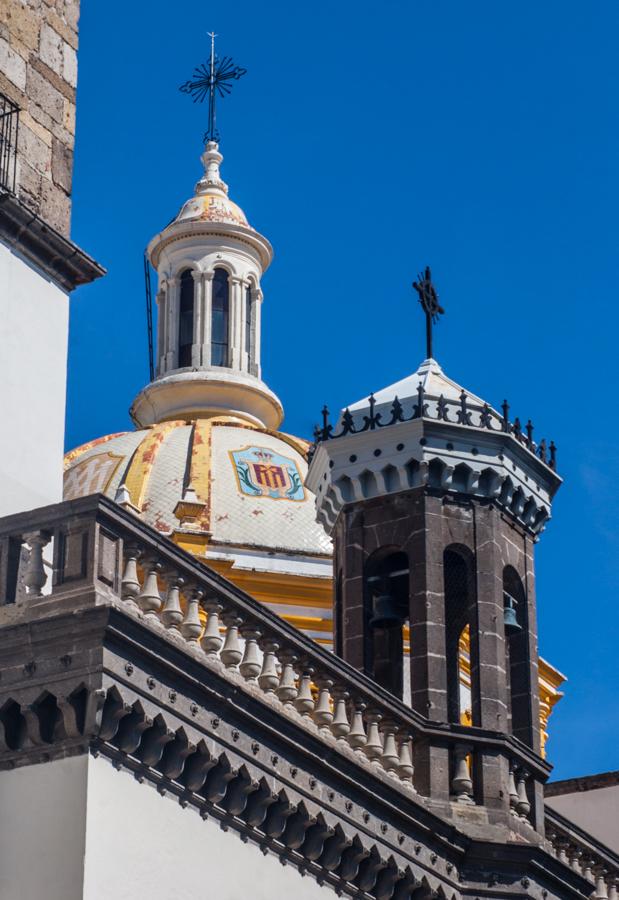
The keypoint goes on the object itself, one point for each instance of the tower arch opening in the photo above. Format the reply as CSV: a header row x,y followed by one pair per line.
x,y
459,586
517,666
386,598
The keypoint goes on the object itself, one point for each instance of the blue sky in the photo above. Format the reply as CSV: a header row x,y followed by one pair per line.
x,y
366,142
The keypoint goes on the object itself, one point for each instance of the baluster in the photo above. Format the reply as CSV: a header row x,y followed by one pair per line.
x,y
373,746
268,678
461,783
287,690
340,726
356,736
172,614
35,576
562,848
323,715
390,757
574,856
612,888
405,762
191,626
130,584
512,791
523,807
251,665
212,640
587,863
231,653
149,598
600,883
304,702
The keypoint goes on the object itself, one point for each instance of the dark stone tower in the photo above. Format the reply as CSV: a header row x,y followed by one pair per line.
x,y
435,502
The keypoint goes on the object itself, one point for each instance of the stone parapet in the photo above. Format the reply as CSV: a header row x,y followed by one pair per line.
x,y
203,692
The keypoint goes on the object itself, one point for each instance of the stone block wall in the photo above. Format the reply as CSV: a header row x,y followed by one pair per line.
x,y
38,71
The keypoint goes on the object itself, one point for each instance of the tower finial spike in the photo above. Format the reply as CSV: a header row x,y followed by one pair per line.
x,y
428,298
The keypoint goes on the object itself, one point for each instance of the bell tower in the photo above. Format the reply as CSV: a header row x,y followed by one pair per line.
x,y
435,502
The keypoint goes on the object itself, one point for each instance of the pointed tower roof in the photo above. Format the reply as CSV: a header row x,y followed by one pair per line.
x,y
433,380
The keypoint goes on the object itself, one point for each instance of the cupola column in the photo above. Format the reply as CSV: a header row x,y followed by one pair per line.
x,y
246,319
198,314
207,320
171,322
236,322
161,329
255,367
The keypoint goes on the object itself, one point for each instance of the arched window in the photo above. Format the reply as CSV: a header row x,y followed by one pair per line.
x,y
387,610
248,334
220,317
457,567
185,321
517,656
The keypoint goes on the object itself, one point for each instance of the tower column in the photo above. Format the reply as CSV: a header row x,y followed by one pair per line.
x,y
489,700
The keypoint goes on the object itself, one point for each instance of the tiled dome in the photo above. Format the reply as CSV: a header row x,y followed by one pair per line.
x,y
242,485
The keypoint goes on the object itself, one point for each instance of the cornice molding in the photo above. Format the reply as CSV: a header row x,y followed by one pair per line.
x,y
198,739
59,258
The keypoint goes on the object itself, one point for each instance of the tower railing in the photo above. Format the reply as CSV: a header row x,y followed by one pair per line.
x,y
9,131
102,553
463,411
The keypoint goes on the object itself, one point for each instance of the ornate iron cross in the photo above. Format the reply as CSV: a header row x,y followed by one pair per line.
x,y
428,298
211,80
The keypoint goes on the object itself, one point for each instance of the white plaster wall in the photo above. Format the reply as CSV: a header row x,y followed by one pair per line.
x,y
34,325
140,844
595,811
42,830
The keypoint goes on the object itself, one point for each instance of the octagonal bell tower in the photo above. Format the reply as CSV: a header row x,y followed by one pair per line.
x,y
435,502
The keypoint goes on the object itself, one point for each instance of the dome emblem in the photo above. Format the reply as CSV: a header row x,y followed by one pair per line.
x,y
263,473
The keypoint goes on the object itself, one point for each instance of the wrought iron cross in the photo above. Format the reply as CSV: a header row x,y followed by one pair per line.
x,y
211,80
428,298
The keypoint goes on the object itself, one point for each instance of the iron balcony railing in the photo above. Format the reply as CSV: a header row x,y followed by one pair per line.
x,y
9,130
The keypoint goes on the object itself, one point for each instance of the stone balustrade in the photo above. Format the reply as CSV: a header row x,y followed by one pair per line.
x,y
103,554
576,849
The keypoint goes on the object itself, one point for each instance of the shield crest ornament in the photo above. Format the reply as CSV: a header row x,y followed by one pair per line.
x,y
261,472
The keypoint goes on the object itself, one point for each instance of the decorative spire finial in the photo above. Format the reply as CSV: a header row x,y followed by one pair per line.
x,y
428,298
210,80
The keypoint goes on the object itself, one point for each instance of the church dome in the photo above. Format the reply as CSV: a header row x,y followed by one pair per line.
x,y
216,486
206,465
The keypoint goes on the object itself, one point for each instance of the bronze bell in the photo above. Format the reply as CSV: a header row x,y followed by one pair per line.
x,y
509,615
385,611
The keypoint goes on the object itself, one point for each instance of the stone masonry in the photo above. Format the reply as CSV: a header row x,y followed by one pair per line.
x,y
38,71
